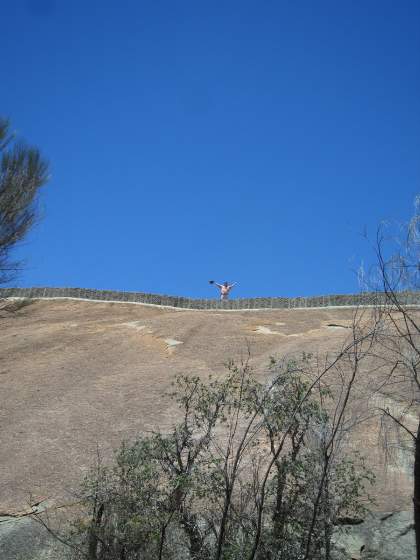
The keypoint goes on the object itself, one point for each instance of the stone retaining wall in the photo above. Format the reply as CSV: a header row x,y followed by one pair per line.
x,y
412,298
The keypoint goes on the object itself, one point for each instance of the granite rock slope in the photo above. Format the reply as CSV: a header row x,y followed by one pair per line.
x,y
77,374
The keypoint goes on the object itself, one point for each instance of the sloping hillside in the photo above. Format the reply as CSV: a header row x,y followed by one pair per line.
x,y
77,374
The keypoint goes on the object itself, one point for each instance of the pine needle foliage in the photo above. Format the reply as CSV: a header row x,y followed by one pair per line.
x,y
23,171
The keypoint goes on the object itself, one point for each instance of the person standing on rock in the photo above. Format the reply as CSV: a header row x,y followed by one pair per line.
x,y
224,289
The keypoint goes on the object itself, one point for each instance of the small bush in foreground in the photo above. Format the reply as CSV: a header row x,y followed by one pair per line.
x,y
252,470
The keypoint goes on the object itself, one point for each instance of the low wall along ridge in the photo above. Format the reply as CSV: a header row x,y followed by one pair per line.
x,y
367,298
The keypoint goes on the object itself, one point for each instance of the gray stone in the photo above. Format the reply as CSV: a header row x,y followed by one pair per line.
x,y
24,538
387,536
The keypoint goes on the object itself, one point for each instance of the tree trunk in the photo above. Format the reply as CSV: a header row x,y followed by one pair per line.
x,y
93,539
279,513
190,524
417,491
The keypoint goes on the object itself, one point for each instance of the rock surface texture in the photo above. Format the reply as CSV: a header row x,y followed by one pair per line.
x,y
387,536
76,375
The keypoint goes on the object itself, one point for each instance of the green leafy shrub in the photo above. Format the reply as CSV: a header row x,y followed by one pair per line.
x,y
248,472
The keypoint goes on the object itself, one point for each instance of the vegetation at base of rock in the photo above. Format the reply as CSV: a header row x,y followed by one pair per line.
x,y
253,470
10,307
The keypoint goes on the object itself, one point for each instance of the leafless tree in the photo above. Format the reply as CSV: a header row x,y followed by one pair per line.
x,y
396,278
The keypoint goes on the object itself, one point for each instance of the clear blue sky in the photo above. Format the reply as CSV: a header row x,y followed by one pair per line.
x,y
197,140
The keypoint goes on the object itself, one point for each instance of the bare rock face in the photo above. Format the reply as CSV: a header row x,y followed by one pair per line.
x,y
25,539
388,536
76,375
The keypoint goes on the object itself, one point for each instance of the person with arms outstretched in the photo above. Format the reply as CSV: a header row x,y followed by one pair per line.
x,y
224,288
